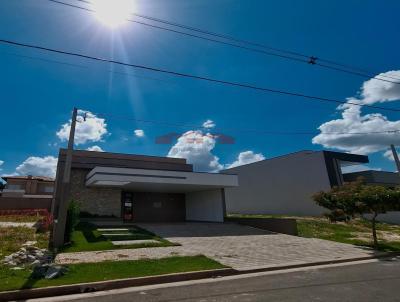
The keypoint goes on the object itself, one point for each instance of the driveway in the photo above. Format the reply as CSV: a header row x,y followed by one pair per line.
x,y
240,247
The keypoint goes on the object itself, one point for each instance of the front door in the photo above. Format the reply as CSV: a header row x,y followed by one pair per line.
x,y
127,206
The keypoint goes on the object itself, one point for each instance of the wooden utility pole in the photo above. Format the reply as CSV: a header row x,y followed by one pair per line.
x,y
396,158
61,219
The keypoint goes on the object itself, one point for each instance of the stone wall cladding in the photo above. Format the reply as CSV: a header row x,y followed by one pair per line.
x,y
99,201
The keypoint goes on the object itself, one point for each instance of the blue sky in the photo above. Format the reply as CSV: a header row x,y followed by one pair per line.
x,y
38,93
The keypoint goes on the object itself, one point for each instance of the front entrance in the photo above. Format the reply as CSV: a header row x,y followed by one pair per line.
x,y
127,206
153,207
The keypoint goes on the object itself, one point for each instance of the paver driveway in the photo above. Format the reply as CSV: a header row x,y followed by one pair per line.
x,y
237,246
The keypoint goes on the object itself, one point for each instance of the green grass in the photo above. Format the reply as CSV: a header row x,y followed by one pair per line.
x,y
19,218
319,227
345,232
86,237
12,238
89,272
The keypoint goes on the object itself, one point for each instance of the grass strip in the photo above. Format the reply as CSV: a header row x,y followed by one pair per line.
x,y
109,270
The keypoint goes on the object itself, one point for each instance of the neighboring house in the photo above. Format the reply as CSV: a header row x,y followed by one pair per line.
x,y
138,188
284,185
27,192
27,185
384,178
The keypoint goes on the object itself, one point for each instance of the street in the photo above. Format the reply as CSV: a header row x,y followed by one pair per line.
x,y
377,280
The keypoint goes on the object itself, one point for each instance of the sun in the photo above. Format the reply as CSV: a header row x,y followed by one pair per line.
x,y
112,13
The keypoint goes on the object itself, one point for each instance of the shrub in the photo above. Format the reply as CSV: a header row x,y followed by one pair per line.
x,y
72,219
45,223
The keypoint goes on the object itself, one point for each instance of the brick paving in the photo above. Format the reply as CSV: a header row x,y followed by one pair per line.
x,y
236,246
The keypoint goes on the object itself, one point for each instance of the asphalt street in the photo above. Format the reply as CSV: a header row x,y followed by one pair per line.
x,y
375,281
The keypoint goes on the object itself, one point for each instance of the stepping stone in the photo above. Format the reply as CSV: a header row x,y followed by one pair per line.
x,y
116,234
112,230
129,242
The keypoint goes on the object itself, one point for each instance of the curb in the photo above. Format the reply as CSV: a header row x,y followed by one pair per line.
x,y
110,284
168,278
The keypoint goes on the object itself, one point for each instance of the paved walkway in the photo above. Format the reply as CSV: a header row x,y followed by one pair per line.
x,y
17,224
237,246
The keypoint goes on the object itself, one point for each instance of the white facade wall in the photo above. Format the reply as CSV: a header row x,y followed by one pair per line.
x,y
205,206
281,185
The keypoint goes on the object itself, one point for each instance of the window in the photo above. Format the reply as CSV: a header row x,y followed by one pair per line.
x,y
13,187
49,189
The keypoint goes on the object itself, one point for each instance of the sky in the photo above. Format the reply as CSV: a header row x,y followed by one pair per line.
x,y
207,123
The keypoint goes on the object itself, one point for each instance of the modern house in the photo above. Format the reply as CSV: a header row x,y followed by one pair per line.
x,y
138,188
284,185
27,192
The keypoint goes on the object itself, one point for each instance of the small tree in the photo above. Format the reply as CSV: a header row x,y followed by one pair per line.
x,y
356,198
72,219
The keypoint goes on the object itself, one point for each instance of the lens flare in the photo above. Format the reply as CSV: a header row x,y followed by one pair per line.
x,y
112,13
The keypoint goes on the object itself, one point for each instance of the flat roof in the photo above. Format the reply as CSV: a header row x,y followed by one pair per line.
x,y
158,180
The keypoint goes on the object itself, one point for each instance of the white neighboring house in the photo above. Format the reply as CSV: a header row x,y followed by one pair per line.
x,y
284,185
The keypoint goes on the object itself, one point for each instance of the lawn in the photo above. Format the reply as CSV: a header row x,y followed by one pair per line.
x,y
86,237
356,232
11,239
89,272
19,218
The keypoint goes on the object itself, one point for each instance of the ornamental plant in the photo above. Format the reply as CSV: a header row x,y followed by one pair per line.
x,y
72,219
356,198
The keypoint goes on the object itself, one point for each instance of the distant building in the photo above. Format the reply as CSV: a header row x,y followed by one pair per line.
x,y
27,192
384,178
27,185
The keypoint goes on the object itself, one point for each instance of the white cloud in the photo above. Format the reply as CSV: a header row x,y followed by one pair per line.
x,y
95,148
90,129
246,157
1,163
38,166
139,133
357,168
196,147
352,120
208,124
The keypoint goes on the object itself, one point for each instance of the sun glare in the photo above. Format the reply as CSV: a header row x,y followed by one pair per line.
x,y
113,13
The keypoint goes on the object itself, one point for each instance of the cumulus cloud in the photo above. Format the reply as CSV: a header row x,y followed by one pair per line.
x,y
208,124
196,147
139,133
89,128
353,121
246,157
38,166
1,163
95,148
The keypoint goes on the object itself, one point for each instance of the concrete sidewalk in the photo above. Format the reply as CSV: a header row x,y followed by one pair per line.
x,y
237,246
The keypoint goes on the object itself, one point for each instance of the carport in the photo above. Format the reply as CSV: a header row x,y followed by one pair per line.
x,y
165,196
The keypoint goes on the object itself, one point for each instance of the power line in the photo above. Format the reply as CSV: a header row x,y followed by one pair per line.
x,y
85,67
243,41
256,131
202,78
289,54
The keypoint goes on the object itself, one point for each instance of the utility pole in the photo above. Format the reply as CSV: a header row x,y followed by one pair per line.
x,y
396,158
59,223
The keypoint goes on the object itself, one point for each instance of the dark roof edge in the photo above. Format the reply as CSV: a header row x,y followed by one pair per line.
x,y
97,154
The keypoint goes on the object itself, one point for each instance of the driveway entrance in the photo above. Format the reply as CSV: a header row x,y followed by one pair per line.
x,y
237,246
243,247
